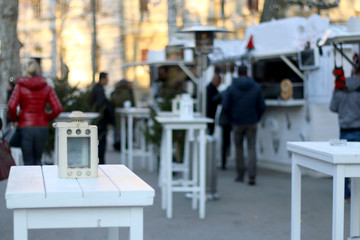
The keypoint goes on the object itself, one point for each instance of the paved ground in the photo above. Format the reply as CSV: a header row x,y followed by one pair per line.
x,y
242,212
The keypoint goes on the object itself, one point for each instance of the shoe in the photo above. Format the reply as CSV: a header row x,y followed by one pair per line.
x,y
251,181
239,179
223,168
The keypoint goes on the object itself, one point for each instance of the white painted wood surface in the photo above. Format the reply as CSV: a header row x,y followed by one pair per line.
x,y
115,186
349,154
114,199
338,162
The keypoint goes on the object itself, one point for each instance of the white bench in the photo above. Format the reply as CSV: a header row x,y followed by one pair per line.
x,y
42,200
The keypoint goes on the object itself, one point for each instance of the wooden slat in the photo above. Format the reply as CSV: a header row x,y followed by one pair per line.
x,y
130,185
60,188
25,182
99,187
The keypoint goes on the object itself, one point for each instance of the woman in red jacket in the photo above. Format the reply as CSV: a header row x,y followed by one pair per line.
x,y
32,94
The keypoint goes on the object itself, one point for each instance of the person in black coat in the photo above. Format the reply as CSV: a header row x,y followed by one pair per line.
x,y
244,105
213,99
226,127
101,104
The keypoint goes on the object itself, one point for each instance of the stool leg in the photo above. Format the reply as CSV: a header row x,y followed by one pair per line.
x,y
168,169
20,224
202,149
113,233
130,142
186,156
142,143
162,175
355,208
123,139
195,172
136,224
150,149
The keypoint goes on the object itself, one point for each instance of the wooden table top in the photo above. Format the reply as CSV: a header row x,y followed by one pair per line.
x,y
40,187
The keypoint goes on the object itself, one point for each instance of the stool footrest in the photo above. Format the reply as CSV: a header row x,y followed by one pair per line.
x,y
185,189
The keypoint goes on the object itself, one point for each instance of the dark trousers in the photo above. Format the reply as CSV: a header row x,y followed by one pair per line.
x,y
102,132
225,144
248,132
33,143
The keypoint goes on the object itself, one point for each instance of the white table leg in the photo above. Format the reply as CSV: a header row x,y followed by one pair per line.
x,y
123,139
151,157
168,159
130,141
186,156
195,168
338,204
202,173
295,199
355,208
143,144
56,142
20,224
163,170
113,233
136,224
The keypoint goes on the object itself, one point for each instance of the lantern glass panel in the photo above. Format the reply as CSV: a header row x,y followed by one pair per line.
x,y
78,152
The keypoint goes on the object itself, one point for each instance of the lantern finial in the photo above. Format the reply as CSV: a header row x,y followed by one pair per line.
x,y
77,116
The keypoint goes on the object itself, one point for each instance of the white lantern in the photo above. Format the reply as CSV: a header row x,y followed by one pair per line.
x,y
186,106
175,104
77,148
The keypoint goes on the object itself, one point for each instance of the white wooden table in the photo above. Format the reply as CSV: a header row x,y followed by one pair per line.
x,y
338,162
127,150
42,200
196,184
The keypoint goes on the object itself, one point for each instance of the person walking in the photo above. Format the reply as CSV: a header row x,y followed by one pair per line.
x,y
345,101
32,93
123,92
101,104
244,105
213,99
226,128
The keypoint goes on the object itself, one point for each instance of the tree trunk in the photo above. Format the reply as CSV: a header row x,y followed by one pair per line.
x,y
171,19
93,43
10,46
274,9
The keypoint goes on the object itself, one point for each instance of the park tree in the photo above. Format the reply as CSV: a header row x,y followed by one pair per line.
x,y
274,9
10,67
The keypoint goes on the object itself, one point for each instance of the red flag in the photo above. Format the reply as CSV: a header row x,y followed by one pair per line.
x,y
250,44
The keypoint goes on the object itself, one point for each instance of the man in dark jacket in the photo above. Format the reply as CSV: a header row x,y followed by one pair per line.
x,y
345,102
123,92
244,105
213,99
101,104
